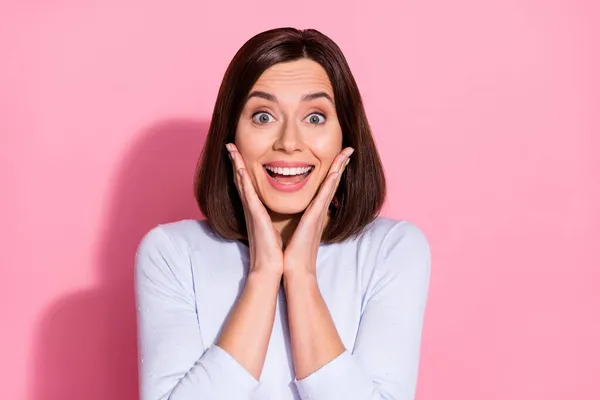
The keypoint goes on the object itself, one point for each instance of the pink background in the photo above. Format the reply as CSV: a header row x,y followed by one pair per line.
x,y
486,116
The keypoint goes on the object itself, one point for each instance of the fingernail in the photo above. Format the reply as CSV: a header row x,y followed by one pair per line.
x,y
347,162
228,146
350,152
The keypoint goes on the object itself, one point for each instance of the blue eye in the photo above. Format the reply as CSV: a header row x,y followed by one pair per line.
x,y
263,117
316,118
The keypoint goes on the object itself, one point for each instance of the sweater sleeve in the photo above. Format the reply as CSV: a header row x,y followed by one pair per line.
x,y
174,363
385,360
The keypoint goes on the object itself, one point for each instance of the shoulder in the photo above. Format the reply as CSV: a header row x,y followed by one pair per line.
x,y
388,233
394,244
180,236
167,247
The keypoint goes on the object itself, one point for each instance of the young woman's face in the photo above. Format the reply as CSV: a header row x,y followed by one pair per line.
x,y
288,134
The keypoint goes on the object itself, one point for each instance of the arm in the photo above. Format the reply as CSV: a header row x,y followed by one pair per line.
x,y
314,338
248,329
174,363
385,359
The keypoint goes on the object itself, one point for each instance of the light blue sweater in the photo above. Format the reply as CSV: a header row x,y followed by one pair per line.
x,y
375,286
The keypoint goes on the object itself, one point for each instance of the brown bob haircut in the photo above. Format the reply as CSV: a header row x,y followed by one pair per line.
x,y
361,191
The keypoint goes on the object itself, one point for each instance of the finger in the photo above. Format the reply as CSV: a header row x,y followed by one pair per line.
x,y
345,161
238,161
337,166
341,173
340,160
248,194
254,211
245,184
238,172
321,202
252,200
238,165
329,187
236,176
243,175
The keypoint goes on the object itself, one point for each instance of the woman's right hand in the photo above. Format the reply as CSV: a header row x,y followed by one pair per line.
x,y
265,243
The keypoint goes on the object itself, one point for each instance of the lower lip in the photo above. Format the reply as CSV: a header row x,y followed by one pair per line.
x,y
294,187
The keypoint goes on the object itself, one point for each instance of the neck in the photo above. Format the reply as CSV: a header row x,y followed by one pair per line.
x,y
285,224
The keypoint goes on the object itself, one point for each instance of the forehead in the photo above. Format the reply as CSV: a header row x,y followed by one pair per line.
x,y
294,77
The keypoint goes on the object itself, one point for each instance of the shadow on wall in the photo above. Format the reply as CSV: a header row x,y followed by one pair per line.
x,y
86,346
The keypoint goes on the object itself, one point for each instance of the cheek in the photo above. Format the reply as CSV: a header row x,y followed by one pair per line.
x,y
327,147
250,145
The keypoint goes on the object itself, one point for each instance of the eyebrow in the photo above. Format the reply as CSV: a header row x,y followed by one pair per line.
x,y
306,97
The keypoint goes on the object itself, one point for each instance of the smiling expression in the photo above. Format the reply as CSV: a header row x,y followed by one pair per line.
x,y
288,134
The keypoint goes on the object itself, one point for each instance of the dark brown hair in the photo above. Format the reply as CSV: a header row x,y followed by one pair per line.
x,y
361,192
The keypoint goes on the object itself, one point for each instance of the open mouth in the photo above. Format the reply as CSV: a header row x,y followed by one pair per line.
x,y
288,176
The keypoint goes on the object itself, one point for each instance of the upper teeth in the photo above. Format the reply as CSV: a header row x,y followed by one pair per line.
x,y
288,171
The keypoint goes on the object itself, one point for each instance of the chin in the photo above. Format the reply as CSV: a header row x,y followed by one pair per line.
x,y
287,206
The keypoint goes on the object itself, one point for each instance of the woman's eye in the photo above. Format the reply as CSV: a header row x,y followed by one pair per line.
x,y
262,117
316,118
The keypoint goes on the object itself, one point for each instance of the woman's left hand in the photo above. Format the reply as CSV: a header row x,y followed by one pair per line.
x,y
300,255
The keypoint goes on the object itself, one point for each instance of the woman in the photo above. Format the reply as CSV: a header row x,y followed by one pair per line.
x,y
292,288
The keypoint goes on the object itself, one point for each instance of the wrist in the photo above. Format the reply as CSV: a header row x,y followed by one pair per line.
x,y
264,279
299,277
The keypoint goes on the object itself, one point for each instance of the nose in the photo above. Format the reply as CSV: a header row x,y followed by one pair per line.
x,y
289,139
